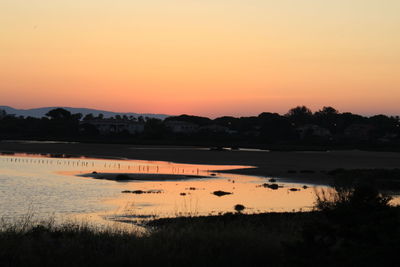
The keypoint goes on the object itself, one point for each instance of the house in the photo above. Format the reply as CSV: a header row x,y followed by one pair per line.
x,y
107,126
313,130
252,133
181,126
388,137
214,128
359,131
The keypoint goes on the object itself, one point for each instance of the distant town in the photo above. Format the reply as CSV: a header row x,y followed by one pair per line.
x,y
299,126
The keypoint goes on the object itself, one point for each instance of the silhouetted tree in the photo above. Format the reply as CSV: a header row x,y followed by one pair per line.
x,y
231,122
59,114
328,118
192,119
327,111
275,127
62,123
346,119
383,125
299,115
89,117
77,116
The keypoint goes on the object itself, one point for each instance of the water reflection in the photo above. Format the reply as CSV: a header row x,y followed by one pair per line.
x,y
52,185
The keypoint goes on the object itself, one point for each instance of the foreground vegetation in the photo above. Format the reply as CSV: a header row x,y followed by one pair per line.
x,y
349,227
384,179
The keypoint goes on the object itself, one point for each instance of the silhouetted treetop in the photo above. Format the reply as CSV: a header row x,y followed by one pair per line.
x,y
327,111
59,114
192,119
89,117
300,115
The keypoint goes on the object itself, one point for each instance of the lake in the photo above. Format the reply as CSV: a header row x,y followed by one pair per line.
x,y
58,186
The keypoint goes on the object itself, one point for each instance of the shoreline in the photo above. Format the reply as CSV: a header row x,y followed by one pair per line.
x,y
297,166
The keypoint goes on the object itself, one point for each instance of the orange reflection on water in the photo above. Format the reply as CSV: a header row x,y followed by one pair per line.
x,y
179,197
195,197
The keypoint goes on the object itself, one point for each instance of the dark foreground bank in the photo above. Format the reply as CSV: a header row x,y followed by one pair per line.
x,y
353,227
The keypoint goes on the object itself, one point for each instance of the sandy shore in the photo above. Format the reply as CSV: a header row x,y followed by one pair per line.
x,y
306,166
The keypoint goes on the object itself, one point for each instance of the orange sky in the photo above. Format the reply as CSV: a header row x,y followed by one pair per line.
x,y
209,57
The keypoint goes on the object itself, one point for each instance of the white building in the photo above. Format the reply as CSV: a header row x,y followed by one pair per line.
x,y
182,126
214,128
313,130
358,131
107,126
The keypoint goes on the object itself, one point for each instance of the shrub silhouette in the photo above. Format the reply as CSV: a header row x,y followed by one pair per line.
x,y
239,208
359,198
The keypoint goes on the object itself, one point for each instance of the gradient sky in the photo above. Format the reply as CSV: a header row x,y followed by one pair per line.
x,y
203,57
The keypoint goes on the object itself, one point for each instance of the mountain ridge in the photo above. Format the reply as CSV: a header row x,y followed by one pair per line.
x,y
41,112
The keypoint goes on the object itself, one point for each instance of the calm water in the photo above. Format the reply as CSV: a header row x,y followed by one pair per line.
x,y
49,186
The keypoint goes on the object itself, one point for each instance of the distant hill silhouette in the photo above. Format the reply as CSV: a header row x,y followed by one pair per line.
x,y
40,112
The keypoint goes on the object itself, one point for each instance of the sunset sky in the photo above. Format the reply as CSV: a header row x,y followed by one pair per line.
x,y
202,57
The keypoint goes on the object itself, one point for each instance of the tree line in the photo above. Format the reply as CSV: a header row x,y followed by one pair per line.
x,y
299,126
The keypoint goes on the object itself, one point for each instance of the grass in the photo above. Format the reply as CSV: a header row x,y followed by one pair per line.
x,y
354,227
228,240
